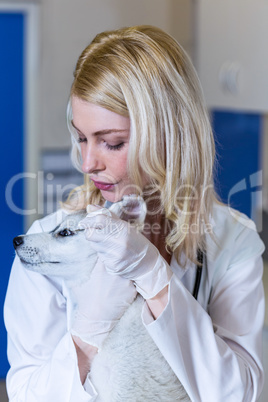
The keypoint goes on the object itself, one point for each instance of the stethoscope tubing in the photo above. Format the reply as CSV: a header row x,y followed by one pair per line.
x,y
199,269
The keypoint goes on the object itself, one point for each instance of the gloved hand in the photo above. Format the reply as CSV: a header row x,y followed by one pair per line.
x,y
126,252
98,304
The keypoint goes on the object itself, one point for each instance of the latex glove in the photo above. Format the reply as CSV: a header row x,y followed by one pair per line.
x,y
126,252
98,304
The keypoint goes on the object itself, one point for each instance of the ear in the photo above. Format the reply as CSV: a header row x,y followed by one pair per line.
x,y
131,209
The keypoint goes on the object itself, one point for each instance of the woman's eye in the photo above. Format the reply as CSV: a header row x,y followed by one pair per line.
x,y
66,232
115,147
81,139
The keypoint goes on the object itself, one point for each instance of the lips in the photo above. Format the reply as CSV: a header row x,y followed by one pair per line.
x,y
103,186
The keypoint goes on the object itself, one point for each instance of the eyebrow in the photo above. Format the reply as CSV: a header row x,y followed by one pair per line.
x,y
100,132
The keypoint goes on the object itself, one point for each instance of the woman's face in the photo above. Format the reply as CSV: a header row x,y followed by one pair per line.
x,y
104,141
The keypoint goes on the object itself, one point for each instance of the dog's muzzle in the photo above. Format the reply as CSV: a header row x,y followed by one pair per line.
x,y
17,241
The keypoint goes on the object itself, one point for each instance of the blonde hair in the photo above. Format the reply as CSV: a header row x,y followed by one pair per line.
x,y
143,73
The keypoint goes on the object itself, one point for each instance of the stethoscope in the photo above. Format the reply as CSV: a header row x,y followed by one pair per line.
x,y
199,269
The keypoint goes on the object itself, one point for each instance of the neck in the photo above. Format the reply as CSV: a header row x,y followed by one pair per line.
x,y
157,228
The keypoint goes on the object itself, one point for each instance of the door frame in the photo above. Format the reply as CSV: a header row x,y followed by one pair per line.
x,y
31,86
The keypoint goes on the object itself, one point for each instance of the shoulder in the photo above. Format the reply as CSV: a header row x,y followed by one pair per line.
x,y
234,235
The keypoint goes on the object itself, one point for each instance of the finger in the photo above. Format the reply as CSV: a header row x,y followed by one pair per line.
x,y
92,235
104,229
98,234
94,220
97,228
93,209
102,220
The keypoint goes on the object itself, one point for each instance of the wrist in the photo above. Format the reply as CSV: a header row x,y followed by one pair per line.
x,y
153,281
85,348
158,303
85,355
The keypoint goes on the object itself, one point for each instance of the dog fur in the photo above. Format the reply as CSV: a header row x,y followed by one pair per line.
x,y
129,367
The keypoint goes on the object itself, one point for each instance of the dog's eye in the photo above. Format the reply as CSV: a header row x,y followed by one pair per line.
x,y
66,232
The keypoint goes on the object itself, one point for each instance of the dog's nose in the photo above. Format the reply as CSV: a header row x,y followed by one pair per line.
x,y
17,241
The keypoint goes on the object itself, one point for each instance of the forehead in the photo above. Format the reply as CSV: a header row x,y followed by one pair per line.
x,y
87,116
70,221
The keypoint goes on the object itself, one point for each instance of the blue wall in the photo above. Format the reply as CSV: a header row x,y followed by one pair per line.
x,y
238,143
11,151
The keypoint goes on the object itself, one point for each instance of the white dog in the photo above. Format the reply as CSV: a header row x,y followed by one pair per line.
x,y
129,367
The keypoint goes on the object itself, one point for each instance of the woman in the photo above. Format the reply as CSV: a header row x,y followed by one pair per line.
x,y
139,126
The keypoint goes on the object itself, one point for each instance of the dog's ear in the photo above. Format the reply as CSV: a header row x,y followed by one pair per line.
x,y
131,209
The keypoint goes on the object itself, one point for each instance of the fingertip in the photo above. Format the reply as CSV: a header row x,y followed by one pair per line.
x,y
93,208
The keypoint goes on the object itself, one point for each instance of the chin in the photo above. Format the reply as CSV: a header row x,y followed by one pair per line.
x,y
115,196
112,197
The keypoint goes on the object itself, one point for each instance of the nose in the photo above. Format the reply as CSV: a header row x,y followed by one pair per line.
x,y
92,160
17,241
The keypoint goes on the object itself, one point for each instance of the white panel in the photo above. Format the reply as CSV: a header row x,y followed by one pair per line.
x,y
232,53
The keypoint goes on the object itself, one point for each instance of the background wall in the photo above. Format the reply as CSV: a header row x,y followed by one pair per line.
x,y
68,26
232,60
232,63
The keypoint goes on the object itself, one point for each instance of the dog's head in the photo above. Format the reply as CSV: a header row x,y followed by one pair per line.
x,y
64,251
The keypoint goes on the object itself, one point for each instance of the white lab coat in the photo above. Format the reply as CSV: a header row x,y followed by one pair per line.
x,y
213,344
